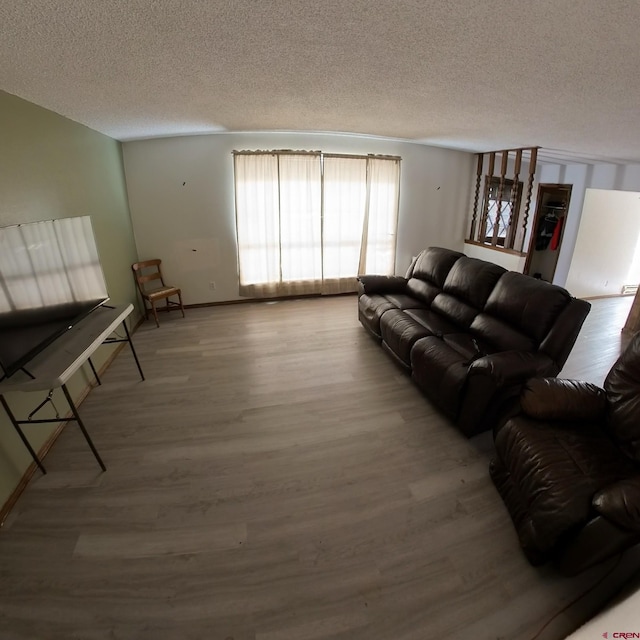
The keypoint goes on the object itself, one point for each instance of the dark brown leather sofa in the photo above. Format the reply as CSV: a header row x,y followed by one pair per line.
x,y
568,467
470,332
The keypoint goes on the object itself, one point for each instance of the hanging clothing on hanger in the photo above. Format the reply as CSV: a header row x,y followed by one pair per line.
x,y
555,238
546,229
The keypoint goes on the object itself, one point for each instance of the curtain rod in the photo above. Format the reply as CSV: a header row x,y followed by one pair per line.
x,y
274,152
375,156
281,152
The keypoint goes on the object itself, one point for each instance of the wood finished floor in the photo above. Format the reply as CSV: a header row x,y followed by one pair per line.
x,y
278,478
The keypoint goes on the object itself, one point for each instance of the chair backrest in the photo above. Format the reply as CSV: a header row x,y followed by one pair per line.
x,y
622,385
147,271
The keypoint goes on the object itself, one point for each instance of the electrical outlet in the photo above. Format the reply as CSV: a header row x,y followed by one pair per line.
x,y
212,285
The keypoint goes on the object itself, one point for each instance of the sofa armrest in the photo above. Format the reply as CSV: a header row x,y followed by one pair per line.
x,y
513,367
493,385
559,399
381,284
620,503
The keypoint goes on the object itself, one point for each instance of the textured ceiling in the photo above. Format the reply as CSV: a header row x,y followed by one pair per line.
x,y
469,74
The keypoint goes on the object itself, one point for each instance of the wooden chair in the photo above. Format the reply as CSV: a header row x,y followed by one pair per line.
x,y
146,272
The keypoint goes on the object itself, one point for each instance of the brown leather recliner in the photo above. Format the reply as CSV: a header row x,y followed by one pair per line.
x,y
568,466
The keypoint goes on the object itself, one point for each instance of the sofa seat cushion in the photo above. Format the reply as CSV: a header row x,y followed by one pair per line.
x,y
555,468
440,366
501,334
467,346
400,332
402,301
434,322
370,310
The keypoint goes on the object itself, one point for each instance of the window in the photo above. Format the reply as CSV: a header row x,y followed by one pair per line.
x,y
309,222
501,207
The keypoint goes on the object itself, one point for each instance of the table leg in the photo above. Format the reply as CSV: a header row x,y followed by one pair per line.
x,y
76,415
124,322
16,426
95,373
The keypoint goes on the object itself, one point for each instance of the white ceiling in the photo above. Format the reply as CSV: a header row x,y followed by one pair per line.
x,y
468,74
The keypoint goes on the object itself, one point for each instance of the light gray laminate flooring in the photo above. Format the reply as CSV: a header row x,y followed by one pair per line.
x,y
277,477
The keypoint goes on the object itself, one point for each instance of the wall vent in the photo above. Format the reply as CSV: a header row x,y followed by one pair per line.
x,y
629,289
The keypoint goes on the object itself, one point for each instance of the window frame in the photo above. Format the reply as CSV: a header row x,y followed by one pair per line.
x,y
513,199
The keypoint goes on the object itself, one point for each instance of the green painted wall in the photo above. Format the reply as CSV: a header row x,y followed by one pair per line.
x,y
52,167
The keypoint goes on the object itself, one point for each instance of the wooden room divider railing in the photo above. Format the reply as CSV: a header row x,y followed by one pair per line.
x,y
500,220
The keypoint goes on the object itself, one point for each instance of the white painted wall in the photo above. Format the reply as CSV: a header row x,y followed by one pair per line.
x,y
606,254
583,177
182,202
181,199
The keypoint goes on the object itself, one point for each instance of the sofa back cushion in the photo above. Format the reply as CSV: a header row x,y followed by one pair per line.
x,y
422,290
472,280
622,385
428,273
454,309
433,265
528,305
466,289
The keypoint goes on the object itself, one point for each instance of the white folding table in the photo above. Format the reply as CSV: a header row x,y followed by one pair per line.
x,y
53,367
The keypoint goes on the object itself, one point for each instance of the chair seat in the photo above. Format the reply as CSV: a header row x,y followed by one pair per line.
x,y
161,292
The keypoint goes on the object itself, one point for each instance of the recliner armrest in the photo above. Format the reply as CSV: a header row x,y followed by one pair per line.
x,y
513,367
382,284
620,503
560,399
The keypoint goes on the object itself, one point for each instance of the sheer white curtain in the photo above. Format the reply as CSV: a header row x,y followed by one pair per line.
x,y
378,253
300,223
257,220
309,223
278,198
344,205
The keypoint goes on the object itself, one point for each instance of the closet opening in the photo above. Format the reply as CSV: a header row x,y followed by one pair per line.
x,y
552,205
